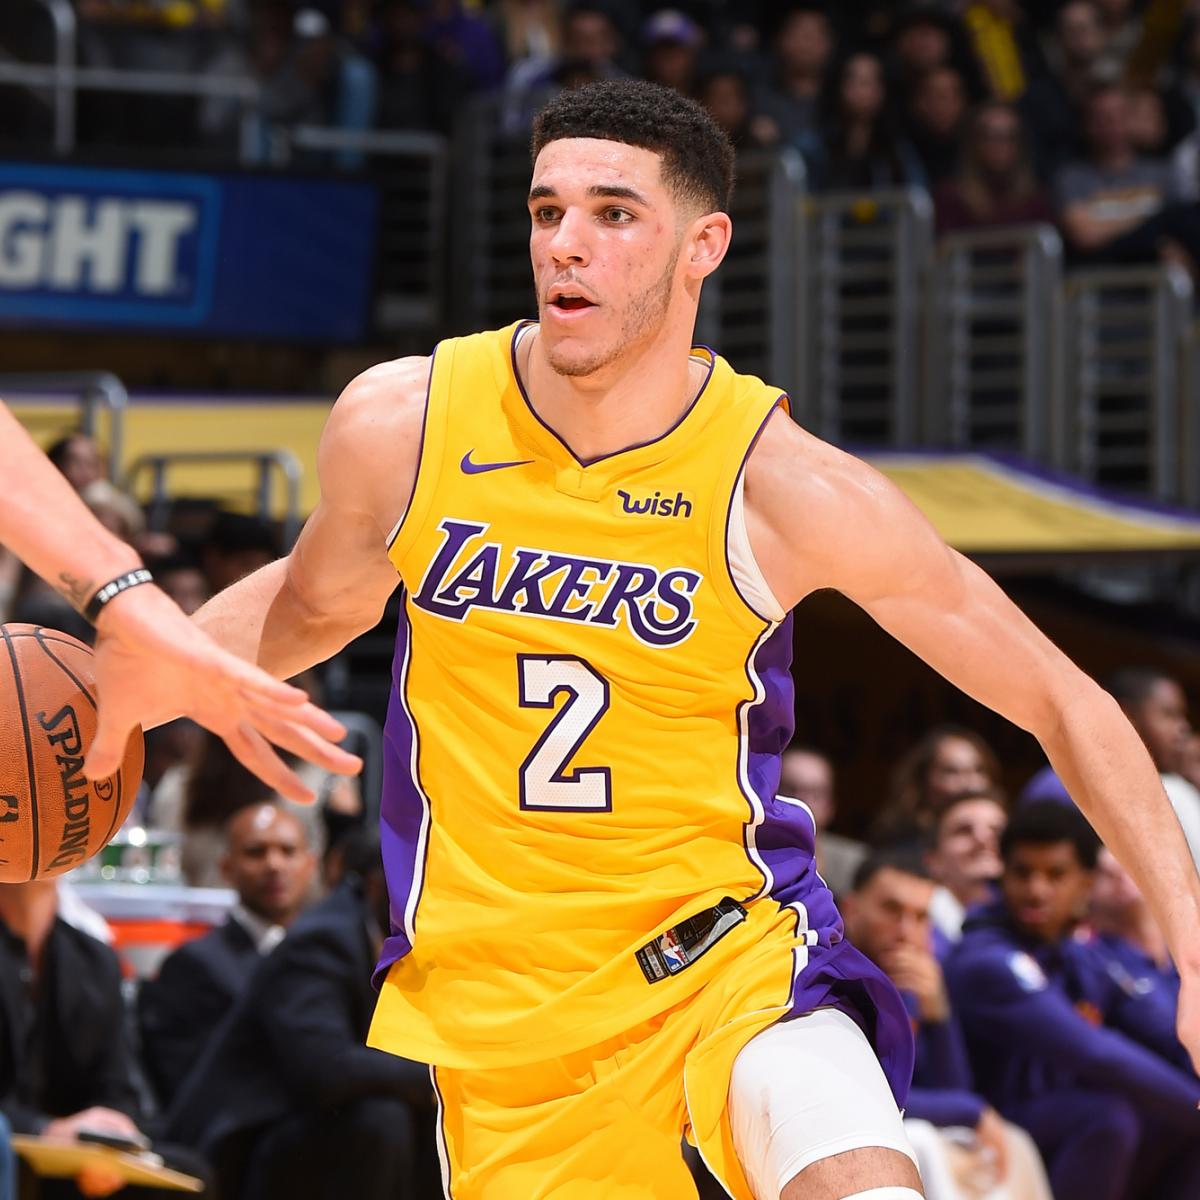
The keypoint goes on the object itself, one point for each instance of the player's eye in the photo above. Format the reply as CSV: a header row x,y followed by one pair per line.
x,y
545,214
618,216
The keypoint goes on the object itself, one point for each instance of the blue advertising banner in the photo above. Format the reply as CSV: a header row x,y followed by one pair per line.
x,y
224,255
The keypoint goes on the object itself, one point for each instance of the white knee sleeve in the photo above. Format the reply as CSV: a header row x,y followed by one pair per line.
x,y
887,1193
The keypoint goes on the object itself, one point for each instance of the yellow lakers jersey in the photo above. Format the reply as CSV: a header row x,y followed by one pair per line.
x,y
584,716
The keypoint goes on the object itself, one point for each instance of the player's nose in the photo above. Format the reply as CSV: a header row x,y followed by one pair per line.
x,y
569,245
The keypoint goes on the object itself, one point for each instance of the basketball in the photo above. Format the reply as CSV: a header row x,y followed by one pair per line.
x,y
51,817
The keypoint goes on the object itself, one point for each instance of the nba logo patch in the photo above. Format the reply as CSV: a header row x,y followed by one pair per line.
x,y
1028,974
673,953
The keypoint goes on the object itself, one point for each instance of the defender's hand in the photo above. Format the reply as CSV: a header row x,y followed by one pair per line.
x,y
153,664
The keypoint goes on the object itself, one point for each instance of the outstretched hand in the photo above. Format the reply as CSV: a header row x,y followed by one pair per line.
x,y
153,664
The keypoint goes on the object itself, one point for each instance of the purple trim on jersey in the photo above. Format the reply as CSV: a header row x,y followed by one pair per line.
x,y
403,811
832,972
588,462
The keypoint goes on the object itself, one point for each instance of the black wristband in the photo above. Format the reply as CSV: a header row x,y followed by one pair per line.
x,y
113,588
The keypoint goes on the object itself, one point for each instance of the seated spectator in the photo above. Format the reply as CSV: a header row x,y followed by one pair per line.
x,y
67,1063
591,43
671,50
726,96
1121,919
182,578
237,545
937,114
964,859
995,185
807,775
419,89
271,866
860,147
117,512
948,762
322,80
1147,117
1090,1066
78,457
1182,95
466,38
803,55
1157,709
1114,206
1052,103
289,1101
887,918
925,39
1121,25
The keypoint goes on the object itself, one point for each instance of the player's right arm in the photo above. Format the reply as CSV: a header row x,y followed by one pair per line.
x,y
302,609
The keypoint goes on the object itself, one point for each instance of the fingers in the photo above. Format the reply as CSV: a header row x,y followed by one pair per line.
x,y
306,714
107,752
302,741
252,750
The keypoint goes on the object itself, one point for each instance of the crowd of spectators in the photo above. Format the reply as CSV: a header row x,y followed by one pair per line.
x,y
1080,111
1041,991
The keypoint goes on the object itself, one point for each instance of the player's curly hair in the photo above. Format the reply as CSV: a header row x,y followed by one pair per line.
x,y
697,157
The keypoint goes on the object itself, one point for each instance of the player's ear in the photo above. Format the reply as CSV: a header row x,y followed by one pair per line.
x,y
706,244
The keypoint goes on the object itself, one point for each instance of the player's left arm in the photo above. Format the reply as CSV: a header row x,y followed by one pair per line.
x,y
145,646
820,518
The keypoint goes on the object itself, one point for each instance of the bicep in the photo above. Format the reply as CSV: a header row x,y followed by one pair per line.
x,y
837,523
366,464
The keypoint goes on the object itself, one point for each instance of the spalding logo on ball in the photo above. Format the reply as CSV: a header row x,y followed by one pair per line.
x,y
51,817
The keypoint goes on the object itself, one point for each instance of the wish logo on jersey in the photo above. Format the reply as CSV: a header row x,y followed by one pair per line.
x,y
469,572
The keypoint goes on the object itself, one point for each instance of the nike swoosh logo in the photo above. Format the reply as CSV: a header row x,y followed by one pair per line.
x,y
474,468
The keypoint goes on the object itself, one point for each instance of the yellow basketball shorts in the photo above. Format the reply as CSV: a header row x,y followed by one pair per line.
x,y
605,1122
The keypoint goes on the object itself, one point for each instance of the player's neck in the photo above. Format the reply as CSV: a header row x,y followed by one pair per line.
x,y
633,401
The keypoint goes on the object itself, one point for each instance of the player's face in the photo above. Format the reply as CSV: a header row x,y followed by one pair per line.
x,y
891,911
269,863
1046,889
967,853
605,241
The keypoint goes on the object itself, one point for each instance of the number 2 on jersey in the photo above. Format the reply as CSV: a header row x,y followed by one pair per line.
x,y
546,784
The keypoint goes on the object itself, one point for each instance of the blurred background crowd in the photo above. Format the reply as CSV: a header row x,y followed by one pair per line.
x,y
1081,111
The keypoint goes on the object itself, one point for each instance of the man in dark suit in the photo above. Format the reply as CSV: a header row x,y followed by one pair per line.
x,y
66,1064
288,1101
270,863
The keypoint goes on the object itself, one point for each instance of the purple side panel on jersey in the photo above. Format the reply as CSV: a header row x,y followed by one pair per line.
x,y
402,807
835,974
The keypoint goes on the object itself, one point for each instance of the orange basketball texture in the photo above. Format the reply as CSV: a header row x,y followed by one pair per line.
x,y
51,818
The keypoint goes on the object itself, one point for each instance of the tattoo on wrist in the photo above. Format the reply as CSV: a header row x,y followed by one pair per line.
x,y
77,591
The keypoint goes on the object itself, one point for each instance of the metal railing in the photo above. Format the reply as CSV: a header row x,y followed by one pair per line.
x,y
97,391
866,258
752,307
1120,420
992,319
67,80
1189,417
284,462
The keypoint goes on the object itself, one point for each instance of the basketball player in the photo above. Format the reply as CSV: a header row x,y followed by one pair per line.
x,y
149,657
606,928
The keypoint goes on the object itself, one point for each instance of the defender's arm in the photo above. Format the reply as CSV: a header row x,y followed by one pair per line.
x,y
300,610
820,518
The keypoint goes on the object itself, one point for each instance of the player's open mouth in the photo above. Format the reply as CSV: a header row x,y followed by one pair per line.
x,y
570,303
